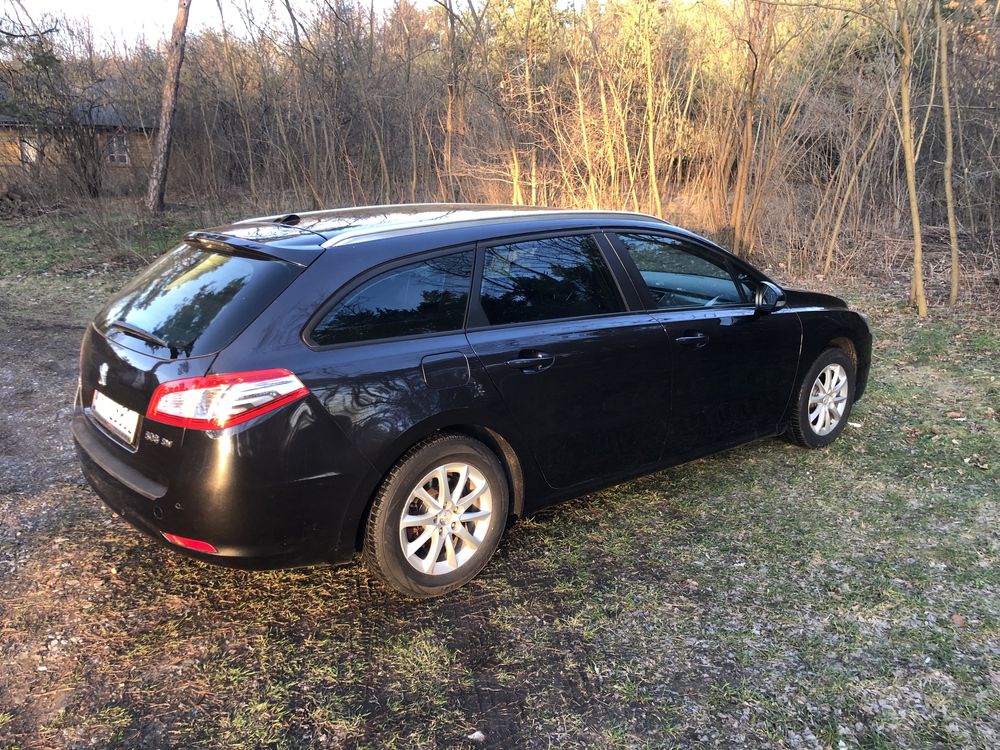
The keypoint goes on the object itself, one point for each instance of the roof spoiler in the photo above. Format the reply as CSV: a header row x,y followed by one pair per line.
x,y
229,245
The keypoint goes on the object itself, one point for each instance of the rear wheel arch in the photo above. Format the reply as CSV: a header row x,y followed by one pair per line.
x,y
491,438
441,527
505,452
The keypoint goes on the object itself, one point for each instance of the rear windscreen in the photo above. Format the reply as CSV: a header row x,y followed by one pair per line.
x,y
193,301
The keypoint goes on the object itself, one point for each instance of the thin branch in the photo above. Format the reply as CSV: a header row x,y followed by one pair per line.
x,y
30,34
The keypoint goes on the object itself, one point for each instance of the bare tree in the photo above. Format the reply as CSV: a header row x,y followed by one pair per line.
x,y
805,132
161,157
918,297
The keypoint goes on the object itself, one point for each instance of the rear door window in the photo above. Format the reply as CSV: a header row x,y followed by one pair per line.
x,y
193,301
428,296
547,279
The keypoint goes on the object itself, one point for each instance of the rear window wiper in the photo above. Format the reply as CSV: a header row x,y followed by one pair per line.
x,y
139,333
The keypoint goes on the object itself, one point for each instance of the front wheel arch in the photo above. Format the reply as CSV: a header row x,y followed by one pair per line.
x,y
799,429
847,344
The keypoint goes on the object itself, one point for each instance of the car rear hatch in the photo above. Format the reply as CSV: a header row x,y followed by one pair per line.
x,y
169,323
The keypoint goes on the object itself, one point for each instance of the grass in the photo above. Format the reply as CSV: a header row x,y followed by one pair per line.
x,y
767,596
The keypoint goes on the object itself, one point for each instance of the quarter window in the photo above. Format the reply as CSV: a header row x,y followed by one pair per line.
x,y
677,275
555,277
425,297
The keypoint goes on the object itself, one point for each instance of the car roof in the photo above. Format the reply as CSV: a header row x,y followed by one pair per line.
x,y
302,237
348,225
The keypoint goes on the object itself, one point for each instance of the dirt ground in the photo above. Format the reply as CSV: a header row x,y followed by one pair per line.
x,y
767,597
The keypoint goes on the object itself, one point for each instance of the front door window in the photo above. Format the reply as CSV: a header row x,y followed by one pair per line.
x,y
678,276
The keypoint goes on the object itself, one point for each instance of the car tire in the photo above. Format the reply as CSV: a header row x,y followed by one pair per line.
x,y
455,542
821,398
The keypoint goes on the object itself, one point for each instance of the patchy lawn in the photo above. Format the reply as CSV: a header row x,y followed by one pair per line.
x,y
767,597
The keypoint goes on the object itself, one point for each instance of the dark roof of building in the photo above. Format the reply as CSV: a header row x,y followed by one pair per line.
x,y
102,105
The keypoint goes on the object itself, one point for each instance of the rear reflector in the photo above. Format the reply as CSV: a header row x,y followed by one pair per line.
x,y
212,402
193,544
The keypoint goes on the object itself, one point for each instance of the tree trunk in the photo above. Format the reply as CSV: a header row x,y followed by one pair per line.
x,y
451,116
917,297
161,158
949,152
760,29
655,202
241,109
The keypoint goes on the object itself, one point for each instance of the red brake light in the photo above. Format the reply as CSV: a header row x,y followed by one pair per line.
x,y
212,402
192,544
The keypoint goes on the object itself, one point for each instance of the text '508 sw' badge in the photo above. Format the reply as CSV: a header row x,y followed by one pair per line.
x,y
152,437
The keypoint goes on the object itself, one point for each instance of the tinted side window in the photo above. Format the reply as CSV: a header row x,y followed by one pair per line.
x,y
424,297
677,275
555,277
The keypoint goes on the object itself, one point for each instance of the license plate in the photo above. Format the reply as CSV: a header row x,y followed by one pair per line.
x,y
117,419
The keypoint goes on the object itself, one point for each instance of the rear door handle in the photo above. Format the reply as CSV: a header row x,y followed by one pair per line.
x,y
531,361
695,339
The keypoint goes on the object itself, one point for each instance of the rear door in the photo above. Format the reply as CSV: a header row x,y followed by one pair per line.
x,y
732,368
584,377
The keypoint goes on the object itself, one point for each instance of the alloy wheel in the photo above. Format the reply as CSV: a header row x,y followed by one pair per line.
x,y
828,399
446,518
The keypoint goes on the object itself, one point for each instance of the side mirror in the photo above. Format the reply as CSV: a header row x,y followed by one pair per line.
x,y
769,297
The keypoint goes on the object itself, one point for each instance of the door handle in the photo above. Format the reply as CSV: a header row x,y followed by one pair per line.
x,y
695,339
531,361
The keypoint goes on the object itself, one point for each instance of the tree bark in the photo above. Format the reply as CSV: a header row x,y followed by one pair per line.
x,y
161,158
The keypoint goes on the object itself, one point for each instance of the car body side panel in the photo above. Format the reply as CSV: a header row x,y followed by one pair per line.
x,y
735,385
600,407
820,326
376,393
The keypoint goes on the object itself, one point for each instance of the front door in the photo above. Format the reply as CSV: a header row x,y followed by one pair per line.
x,y
732,368
586,381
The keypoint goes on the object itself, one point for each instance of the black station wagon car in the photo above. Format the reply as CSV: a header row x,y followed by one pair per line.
x,y
404,380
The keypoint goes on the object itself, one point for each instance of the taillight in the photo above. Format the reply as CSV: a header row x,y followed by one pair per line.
x,y
212,402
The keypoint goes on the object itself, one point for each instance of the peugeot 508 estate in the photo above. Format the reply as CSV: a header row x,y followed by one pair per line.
x,y
404,380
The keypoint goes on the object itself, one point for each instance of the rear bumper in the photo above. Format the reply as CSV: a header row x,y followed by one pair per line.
x,y
253,525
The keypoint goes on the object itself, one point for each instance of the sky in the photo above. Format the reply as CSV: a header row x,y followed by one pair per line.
x,y
127,20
